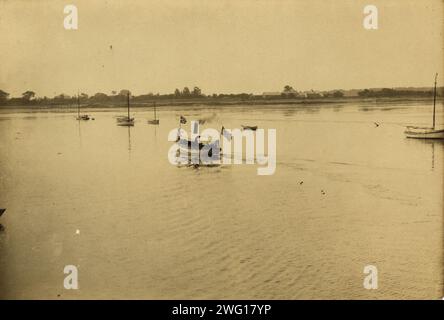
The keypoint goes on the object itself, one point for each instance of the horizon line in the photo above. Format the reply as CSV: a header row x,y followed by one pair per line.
x,y
225,93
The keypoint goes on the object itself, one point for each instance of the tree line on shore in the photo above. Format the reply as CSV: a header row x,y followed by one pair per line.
x,y
30,97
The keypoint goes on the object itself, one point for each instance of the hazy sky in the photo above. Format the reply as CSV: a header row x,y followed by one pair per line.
x,y
220,46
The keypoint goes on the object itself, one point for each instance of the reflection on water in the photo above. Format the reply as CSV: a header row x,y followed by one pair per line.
x,y
129,140
429,147
80,131
433,143
345,194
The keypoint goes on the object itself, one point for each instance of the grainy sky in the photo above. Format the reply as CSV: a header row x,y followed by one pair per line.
x,y
220,46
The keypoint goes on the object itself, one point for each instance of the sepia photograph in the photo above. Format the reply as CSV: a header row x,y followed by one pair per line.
x,y
200,150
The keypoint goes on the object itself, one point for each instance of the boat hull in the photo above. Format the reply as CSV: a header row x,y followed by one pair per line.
x,y
185,153
125,122
424,133
83,117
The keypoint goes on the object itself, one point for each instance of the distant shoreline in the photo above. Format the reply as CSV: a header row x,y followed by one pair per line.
x,y
210,102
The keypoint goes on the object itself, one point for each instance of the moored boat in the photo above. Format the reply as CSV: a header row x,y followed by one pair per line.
x,y
423,133
426,132
155,120
126,121
83,117
80,116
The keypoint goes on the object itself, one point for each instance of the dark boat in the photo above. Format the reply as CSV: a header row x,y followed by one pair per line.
x,y
2,211
253,128
80,116
186,147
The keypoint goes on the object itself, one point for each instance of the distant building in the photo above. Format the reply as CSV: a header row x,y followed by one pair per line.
x,y
271,94
312,94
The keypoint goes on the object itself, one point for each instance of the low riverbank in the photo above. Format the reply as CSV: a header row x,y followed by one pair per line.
x,y
210,102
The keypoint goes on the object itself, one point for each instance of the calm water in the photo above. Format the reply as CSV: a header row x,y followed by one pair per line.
x,y
149,230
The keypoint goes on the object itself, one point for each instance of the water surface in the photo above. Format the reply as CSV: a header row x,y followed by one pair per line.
x,y
345,194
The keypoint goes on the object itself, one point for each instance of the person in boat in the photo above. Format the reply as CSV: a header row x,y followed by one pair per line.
x,y
189,143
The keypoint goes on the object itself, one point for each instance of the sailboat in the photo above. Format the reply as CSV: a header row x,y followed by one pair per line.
x,y
155,121
126,121
80,116
426,132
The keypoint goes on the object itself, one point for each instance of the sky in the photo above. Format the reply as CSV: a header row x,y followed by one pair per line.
x,y
224,46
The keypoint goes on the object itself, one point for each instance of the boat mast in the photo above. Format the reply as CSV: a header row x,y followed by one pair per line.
x,y
434,100
78,105
128,105
155,110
